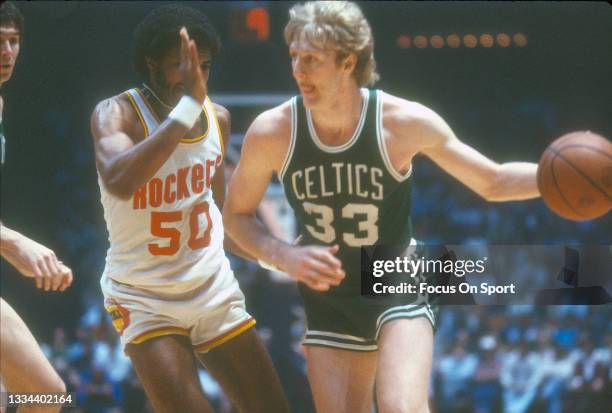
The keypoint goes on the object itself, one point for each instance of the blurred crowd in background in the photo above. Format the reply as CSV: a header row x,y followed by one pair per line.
x,y
508,102
506,359
509,359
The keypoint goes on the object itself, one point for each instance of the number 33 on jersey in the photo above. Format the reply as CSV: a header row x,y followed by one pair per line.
x,y
348,194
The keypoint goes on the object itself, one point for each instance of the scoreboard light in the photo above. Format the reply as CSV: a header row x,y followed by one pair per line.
x,y
437,42
503,40
486,40
250,25
420,41
470,41
404,42
520,40
454,41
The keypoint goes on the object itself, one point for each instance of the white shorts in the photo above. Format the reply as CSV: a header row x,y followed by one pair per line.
x,y
209,315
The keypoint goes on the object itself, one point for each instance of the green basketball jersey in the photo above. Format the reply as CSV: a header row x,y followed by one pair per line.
x,y
350,194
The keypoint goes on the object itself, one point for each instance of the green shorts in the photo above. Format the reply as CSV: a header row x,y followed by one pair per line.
x,y
354,322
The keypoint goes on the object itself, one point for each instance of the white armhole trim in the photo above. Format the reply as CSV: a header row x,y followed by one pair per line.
x,y
209,111
291,147
144,110
381,143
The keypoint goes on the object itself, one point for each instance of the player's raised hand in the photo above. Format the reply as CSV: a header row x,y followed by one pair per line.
x,y
191,72
315,266
39,262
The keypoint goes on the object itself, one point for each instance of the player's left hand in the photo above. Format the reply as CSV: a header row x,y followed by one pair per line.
x,y
191,72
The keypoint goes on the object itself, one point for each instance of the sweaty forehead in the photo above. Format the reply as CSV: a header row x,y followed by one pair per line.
x,y
175,53
308,42
8,30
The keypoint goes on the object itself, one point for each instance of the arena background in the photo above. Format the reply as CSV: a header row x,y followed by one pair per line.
x,y
509,102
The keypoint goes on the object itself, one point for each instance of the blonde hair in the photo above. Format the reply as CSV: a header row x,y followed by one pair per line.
x,y
337,25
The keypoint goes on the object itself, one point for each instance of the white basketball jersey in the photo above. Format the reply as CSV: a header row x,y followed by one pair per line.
x,y
169,233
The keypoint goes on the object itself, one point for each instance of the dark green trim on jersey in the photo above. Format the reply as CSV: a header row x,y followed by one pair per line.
x,y
350,194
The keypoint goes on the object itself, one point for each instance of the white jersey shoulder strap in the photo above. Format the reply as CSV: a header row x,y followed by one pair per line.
x,y
214,129
143,110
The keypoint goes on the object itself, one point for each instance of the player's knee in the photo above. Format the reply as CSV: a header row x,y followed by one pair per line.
x,y
52,383
56,385
167,396
183,397
401,403
59,386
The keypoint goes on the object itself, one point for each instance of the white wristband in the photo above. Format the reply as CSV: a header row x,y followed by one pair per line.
x,y
268,266
186,112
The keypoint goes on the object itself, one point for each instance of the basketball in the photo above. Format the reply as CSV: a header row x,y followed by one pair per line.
x,y
575,176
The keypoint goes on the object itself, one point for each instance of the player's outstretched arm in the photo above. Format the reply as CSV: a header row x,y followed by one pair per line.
x,y
263,152
124,160
34,260
510,181
489,179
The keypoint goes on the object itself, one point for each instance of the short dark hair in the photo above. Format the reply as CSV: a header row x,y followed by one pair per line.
x,y
159,32
11,16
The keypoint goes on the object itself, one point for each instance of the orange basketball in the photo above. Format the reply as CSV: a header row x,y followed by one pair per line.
x,y
575,176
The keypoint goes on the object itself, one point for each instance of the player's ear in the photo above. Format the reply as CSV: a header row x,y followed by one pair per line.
x,y
151,64
350,62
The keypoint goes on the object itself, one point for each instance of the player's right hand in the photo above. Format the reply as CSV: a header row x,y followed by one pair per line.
x,y
39,262
316,266
191,72
66,279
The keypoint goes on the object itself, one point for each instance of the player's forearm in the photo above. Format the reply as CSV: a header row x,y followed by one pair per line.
x,y
129,170
515,181
8,239
252,236
230,245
